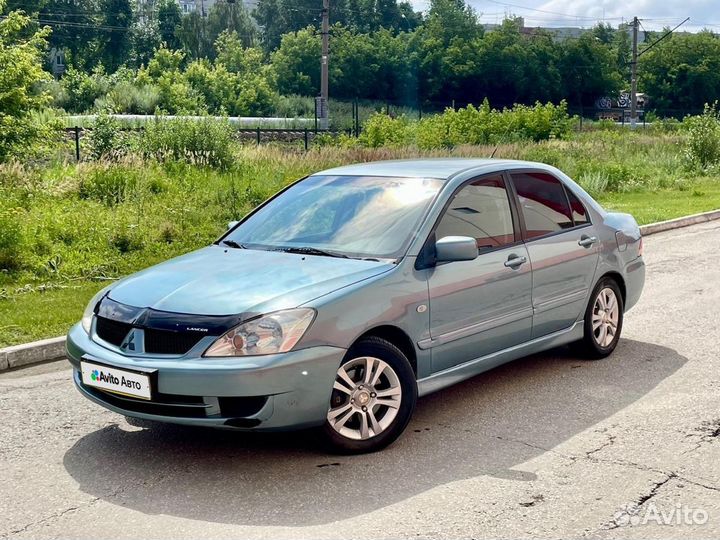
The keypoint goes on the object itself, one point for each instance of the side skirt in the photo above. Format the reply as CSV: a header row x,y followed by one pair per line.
x,y
448,377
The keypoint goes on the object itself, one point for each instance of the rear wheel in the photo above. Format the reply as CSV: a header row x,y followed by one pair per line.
x,y
373,398
603,320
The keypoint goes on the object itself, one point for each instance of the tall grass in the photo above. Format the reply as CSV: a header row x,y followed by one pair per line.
x,y
104,219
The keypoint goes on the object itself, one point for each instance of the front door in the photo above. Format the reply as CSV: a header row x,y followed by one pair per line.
x,y
482,306
563,250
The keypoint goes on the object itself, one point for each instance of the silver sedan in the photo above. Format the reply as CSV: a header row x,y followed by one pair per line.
x,y
350,293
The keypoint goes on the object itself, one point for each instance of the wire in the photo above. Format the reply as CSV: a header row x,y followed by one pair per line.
x,y
567,15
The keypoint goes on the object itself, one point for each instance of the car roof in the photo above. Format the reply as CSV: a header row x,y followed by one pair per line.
x,y
442,168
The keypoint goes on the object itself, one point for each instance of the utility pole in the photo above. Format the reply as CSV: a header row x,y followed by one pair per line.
x,y
633,76
323,109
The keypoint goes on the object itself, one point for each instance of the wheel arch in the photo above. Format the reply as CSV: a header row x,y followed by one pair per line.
x,y
617,277
397,337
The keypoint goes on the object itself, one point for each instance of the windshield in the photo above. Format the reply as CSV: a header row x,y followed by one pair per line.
x,y
357,216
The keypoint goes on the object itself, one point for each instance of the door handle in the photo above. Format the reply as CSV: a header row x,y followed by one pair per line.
x,y
514,261
587,241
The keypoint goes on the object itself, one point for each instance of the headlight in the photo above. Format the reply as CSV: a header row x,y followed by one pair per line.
x,y
86,320
274,333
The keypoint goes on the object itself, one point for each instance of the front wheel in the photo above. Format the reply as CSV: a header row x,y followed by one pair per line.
x,y
603,320
373,398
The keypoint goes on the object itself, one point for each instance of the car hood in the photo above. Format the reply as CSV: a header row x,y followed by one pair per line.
x,y
221,281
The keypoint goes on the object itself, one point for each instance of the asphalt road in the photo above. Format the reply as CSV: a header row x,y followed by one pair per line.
x,y
549,446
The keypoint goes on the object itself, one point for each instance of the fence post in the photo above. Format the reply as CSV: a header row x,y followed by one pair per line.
x,y
77,143
306,139
315,102
257,134
356,118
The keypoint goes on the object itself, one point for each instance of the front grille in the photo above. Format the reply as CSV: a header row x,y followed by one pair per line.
x,y
112,331
156,341
169,342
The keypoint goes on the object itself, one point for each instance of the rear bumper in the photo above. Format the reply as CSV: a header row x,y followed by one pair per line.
x,y
634,282
272,392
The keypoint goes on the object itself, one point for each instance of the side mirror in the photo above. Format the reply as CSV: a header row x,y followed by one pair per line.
x,y
232,224
456,248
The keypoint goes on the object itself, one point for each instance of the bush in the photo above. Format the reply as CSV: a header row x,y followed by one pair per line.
x,y
21,56
105,139
128,98
382,130
703,147
470,125
81,90
206,142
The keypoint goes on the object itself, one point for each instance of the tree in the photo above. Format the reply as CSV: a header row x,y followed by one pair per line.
x,y
75,28
682,72
448,23
116,40
169,19
589,70
21,54
270,16
145,35
297,63
198,34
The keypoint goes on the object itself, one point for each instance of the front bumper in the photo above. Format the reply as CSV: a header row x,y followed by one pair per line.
x,y
272,392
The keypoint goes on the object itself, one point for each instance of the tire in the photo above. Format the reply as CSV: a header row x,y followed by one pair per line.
x,y
602,327
372,399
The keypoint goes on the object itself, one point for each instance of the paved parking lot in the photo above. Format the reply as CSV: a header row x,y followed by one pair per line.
x,y
549,446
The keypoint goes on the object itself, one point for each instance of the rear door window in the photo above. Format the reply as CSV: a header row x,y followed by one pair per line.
x,y
543,203
579,213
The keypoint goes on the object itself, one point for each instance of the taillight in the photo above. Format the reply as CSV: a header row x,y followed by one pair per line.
x,y
640,248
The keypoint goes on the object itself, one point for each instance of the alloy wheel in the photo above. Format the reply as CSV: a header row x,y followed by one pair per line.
x,y
605,317
366,398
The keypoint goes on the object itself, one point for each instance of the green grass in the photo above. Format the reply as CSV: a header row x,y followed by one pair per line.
x,y
66,228
30,316
660,205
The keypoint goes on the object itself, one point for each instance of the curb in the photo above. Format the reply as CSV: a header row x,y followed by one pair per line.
x,y
36,352
47,350
677,223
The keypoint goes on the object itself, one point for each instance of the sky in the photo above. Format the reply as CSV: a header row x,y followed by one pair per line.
x,y
655,14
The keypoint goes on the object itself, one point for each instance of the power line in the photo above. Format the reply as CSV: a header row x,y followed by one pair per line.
x,y
567,15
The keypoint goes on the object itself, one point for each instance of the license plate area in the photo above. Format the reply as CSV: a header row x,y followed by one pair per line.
x,y
133,383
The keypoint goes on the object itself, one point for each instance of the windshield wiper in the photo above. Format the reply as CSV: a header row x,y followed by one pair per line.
x,y
233,244
307,250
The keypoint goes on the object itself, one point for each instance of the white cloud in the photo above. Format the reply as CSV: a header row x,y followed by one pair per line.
x,y
656,14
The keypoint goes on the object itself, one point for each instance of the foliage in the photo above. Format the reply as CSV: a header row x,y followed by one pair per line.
x,y
703,146
104,139
21,53
169,19
81,89
683,72
296,63
382,130
280,17
469,125
198,34
10,238
205,142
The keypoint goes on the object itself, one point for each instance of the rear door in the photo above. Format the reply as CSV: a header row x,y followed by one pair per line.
x,y
563,249
481,306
